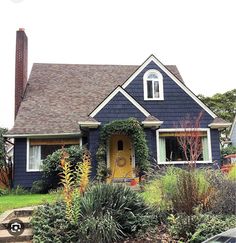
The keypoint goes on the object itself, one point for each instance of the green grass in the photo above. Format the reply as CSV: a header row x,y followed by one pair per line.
x,y
18,201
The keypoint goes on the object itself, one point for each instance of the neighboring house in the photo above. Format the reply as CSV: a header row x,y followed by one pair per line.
x,y
232,134
68,103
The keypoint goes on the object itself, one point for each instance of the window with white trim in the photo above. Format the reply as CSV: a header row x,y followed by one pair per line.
x,y
170,151
39,149
153,85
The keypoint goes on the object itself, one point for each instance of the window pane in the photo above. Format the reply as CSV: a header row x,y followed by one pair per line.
x,y
149,89
49,149
152,76
162,144
34,157
174,151
156,89
120,145
205,149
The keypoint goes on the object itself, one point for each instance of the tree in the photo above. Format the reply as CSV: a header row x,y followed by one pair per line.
x,y
190,140
223,105
5,165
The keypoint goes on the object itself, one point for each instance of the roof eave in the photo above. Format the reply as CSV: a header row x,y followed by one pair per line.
x,y
89,124
153,124
41,135
219,125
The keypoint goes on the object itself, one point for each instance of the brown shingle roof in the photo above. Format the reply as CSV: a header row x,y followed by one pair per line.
x,y
60,95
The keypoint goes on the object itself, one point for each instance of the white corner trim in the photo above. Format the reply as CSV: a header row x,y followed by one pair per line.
x,y
182,130
90,124
172,76
232,128
160,82
152,123
113,94
219,125
27,158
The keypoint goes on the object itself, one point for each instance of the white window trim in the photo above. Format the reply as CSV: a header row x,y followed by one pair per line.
x,y
27,159
159,80
27,156
182,130
173,77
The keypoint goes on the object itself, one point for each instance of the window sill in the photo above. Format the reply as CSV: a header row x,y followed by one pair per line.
x,y
184,162
153,98
34,170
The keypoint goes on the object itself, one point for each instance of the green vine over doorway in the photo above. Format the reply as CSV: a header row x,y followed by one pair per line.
x,y
130,127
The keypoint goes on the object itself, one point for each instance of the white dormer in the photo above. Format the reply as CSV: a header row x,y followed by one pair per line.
x,y
153,85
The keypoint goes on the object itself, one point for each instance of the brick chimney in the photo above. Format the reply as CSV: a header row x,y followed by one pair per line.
x,y
21,67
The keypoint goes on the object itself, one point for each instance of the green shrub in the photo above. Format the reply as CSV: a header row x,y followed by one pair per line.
x,y
189,189
4,192
51,165
152,192
107,213
168,183
102,228
232,174
39,187
125,205
199,227
210,225
19,190
224,201
50,225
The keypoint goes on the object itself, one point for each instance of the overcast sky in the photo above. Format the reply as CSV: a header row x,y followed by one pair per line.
x,y
197,36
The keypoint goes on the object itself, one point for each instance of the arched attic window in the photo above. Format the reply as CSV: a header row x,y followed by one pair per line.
x,y
153,85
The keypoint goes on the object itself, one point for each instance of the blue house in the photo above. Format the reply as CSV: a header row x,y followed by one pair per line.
x,y
65,104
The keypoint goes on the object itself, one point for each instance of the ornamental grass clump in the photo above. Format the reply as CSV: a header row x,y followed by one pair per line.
x,y
107,213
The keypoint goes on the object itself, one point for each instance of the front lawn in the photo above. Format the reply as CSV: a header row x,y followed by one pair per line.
x,y
18,201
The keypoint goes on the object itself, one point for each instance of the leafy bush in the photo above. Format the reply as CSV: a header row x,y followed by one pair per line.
x,y
224,201
19,190
51,165
50,225
4,192
210,225
39,187
125,205
192,190
103,228
107,213
232,173
199,227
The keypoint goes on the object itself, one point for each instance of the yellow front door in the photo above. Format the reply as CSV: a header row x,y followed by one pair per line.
x,y
121,157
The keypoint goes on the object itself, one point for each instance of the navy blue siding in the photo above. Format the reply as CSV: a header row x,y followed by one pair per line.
x,y
21,177
176,104
215,145
151,141
93,140
117,109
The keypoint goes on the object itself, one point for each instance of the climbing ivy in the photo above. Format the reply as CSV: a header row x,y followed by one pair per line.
x,y
132,128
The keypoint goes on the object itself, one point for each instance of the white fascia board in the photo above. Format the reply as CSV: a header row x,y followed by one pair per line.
x,y
90,124
152,123
219,125
112,95
41,135
173,77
